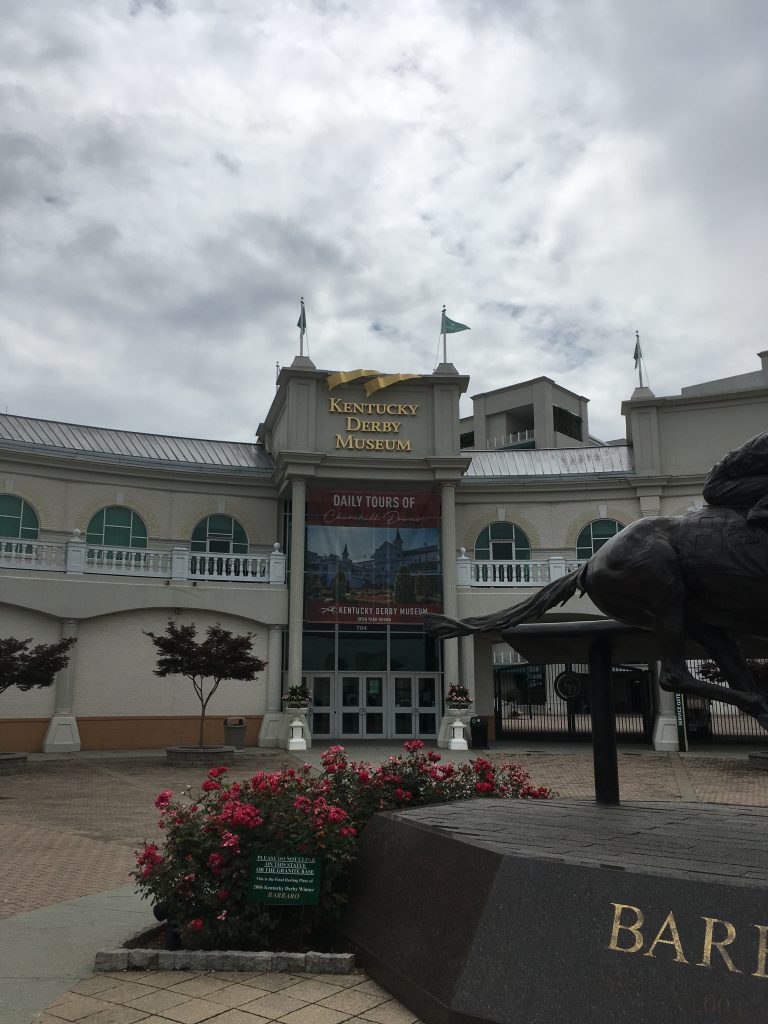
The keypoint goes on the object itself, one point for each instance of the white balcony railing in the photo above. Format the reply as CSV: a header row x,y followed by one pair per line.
x,y
32,554
77,557
508,440
472,572
128,562
229,567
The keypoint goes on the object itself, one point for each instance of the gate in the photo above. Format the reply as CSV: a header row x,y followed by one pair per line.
x,y
553,702
711,721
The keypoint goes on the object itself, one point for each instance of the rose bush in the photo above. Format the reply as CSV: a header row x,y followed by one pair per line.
x,y
200,871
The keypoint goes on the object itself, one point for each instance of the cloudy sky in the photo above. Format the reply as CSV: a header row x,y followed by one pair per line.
x,y
174,174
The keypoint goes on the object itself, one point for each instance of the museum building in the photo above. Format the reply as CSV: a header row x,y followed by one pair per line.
x,y
365,503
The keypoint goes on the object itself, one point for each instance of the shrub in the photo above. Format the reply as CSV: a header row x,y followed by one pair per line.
x,y
201,873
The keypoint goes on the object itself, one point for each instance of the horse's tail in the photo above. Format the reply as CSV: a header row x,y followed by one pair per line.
x,y
557,592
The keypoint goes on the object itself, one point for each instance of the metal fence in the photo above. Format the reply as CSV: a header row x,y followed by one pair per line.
x,y
711,721
554,702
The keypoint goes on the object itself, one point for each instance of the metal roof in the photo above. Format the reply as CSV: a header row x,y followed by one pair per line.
x,y
551,462
22,433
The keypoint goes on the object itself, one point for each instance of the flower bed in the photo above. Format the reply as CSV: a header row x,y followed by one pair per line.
x,y
201,872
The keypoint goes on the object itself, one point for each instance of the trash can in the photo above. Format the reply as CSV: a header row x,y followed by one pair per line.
x,y
234,732
478,727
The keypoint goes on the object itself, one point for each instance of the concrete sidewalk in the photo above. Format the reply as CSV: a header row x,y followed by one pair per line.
x,y
69,826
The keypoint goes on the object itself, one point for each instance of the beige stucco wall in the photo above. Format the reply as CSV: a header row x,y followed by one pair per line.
x,y
683,436
42,629
115,663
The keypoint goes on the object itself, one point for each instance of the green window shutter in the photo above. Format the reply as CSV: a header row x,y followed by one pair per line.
x,y
483,545
17,518
594,535
117,527
138,532
118,515
95,532
239,539
200,536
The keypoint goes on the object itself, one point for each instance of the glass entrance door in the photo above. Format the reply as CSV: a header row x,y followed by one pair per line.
x,y
361,707
414,706
373,705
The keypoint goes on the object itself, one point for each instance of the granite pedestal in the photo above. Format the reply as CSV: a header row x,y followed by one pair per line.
x,y
537,911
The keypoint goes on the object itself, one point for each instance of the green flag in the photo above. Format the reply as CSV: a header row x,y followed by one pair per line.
x,y
638,351
452,326
302,321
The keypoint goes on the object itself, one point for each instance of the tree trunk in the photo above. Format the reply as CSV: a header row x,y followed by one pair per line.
x,y
202,727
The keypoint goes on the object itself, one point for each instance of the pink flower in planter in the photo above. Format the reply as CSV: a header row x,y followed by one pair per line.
x,y
231,840
163,799
215,862
214,773
197,924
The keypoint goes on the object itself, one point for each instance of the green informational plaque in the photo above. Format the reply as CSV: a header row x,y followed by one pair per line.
x,y
284,880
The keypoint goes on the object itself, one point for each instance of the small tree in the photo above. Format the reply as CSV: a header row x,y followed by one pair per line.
x,y
222,655
27,668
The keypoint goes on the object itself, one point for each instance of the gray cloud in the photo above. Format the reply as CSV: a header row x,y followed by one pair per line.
x,y
174,176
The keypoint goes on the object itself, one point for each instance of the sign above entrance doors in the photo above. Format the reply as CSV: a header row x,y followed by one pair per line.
x,y
372,556
363,422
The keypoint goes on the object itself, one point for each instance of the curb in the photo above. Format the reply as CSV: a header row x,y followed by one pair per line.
x,y
220,960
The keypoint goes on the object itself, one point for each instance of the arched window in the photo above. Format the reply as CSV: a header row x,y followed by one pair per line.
x,y
594,535
117,527
18,520
221,535
502,542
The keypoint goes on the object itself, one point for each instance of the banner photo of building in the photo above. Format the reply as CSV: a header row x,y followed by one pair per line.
x,y
372,556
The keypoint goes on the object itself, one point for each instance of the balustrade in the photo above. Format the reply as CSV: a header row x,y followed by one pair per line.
x,y
127,562
487,573
229,567
32,554
77,557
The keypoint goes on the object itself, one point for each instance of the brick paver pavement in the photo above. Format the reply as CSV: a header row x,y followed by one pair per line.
x,y
182,997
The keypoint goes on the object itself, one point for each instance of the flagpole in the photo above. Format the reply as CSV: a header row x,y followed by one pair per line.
x,y
302,329
639,357
445,342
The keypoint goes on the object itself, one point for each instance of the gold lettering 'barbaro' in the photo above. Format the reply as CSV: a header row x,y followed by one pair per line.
x,y
627,936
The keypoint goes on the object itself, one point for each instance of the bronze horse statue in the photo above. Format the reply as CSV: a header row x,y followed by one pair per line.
x,y
703,576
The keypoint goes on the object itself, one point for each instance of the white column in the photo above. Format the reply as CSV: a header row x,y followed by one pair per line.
x,y
665,726
467,655
296,585
62,734
450,599
274,669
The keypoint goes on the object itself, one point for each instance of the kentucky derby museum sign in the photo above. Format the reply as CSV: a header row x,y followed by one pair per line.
x,y
365,422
